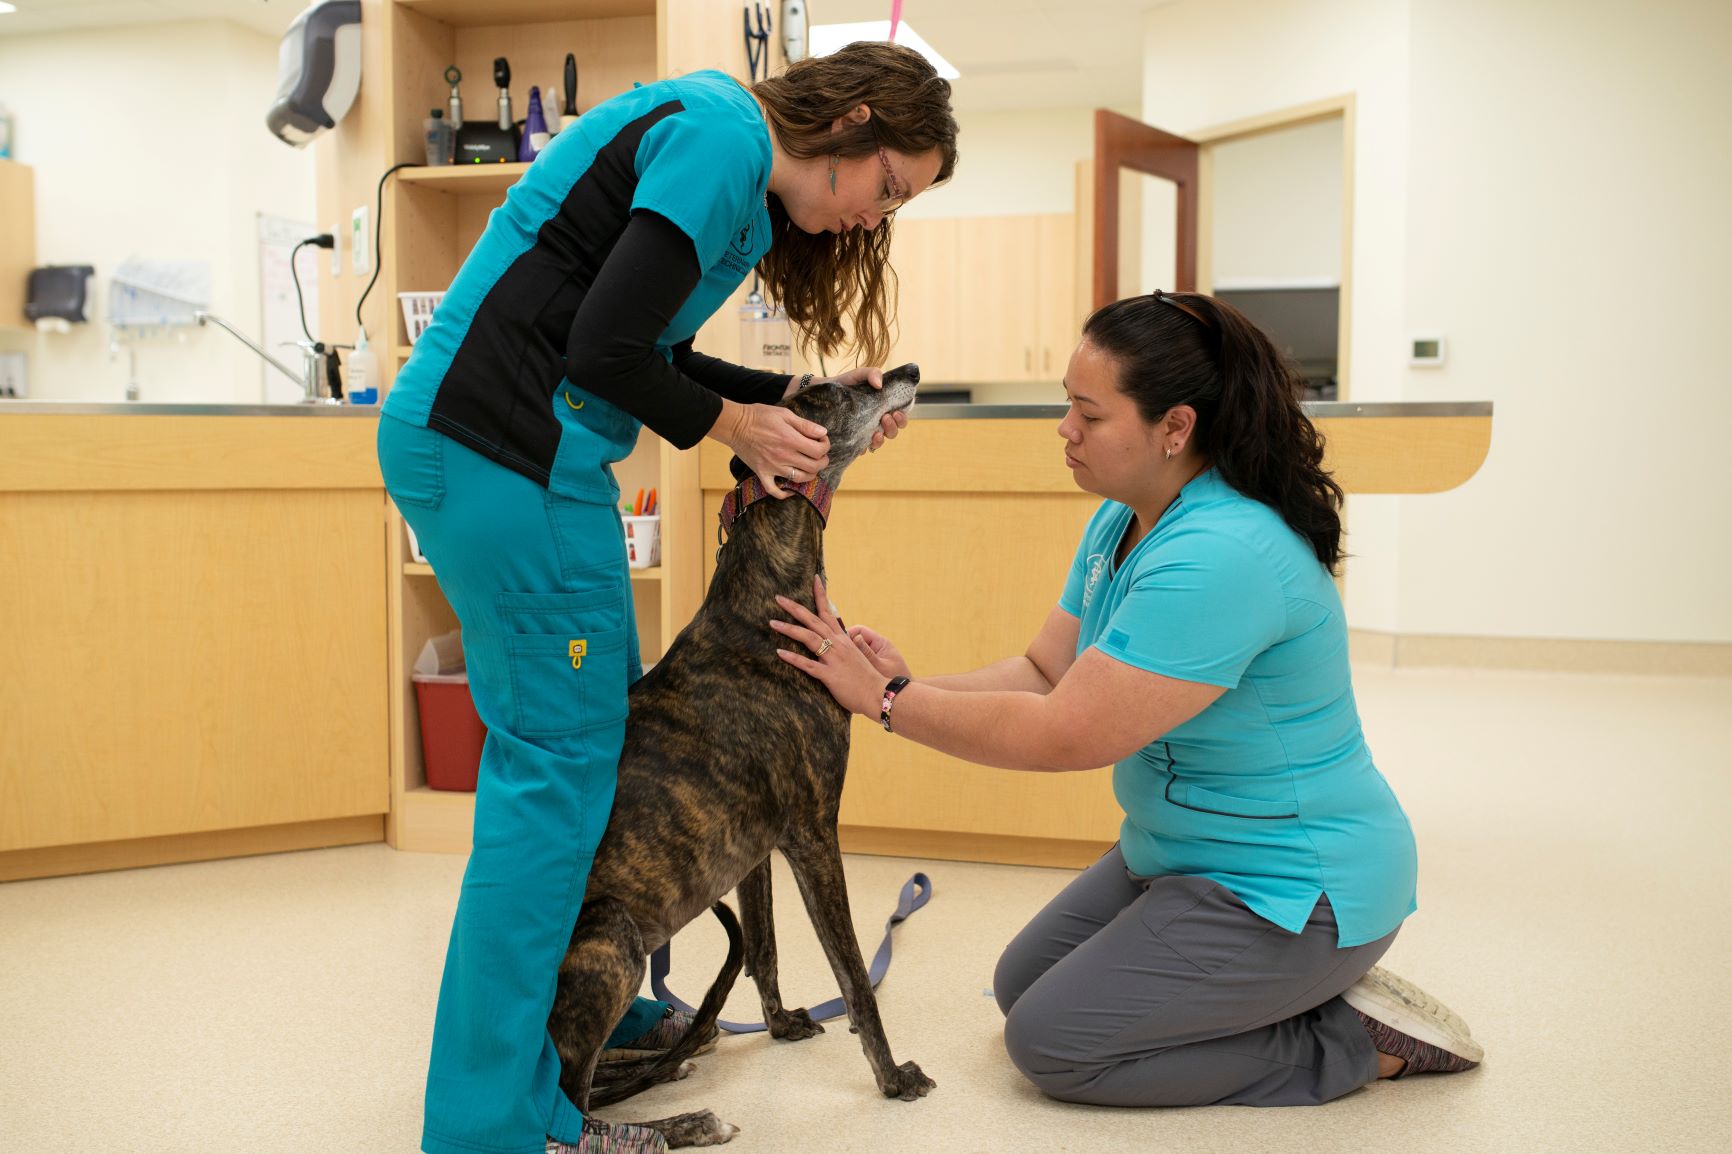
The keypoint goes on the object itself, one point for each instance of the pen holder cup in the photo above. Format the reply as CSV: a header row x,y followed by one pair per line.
x,y
643,540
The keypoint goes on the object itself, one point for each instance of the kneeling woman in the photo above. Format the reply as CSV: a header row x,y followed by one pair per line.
x,y
1223,951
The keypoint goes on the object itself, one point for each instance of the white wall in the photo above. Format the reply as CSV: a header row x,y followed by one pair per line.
x,y
1277,208
1544,183
1013,163
149,141
1569,176
1211,64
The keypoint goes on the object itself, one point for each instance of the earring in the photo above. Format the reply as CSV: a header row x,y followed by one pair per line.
x,y
1169,455
834,157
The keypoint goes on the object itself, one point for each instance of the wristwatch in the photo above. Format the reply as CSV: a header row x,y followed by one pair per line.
x,y
897,685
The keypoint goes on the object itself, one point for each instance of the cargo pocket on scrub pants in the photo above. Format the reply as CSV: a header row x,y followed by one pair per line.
x,y
567,655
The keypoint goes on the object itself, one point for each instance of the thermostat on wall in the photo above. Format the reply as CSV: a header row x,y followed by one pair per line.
x,y
1427,352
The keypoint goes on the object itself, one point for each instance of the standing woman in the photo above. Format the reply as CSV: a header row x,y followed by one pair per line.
x,y
570,325
1223,950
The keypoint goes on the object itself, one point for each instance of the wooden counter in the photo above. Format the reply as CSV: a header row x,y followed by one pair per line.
x,y
192,615
955,542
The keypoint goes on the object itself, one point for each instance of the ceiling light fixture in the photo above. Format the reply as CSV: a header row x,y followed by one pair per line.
x,y
827,38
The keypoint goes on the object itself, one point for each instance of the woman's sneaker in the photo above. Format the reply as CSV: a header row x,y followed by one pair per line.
x,y
612,1138
1406,1022
659,1039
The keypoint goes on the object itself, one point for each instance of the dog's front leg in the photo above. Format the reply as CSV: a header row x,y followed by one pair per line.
x,y
758,921
817,866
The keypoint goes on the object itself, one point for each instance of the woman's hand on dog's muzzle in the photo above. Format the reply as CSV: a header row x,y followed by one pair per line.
x,y
773,442
850,675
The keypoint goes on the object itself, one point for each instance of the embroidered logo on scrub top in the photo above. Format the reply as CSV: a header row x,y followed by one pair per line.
x,y
738,258
1097,565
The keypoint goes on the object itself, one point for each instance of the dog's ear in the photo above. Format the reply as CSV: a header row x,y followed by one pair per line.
x,y
738,468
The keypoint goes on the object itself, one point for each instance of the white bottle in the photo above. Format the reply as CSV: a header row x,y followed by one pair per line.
x,y
550,110
363,370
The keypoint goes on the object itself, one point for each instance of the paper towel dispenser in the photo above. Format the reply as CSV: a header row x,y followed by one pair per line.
x,y
318,71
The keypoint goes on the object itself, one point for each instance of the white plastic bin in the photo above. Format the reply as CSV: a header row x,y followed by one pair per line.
x,y
418,311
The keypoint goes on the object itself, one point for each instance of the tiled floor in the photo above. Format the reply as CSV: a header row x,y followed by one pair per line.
x,y
1576,887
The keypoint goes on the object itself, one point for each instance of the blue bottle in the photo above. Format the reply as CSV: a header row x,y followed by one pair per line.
x,y
534,137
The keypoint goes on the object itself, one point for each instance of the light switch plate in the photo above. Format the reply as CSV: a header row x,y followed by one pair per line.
x,y
359,246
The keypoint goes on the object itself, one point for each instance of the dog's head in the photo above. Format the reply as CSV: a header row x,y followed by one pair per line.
x,y
850,414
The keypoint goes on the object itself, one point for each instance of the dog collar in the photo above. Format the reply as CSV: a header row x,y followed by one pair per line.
x,y
751,490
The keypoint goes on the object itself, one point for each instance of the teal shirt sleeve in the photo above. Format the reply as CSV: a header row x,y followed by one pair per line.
x,y
699,171
1199,608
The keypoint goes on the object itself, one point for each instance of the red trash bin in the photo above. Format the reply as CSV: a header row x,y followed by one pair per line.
x,y
451,730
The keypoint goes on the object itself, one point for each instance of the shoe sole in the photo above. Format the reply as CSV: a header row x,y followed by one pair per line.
x,y
1401,1005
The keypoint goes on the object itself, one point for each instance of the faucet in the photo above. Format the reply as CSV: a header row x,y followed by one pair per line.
x,y
311,376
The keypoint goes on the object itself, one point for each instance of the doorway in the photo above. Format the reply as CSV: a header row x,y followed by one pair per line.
x,y
1258,212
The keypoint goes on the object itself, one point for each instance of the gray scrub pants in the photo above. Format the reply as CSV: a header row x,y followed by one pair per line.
x,y
1169,991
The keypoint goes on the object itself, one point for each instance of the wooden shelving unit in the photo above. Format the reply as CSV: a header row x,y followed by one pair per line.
x,y
432,217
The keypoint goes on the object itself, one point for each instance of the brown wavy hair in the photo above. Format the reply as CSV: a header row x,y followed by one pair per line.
x,y
834,287
1189,349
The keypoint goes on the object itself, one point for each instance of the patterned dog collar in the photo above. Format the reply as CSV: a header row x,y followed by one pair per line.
x,y
751,490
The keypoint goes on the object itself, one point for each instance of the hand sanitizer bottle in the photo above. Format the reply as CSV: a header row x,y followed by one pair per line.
x,y
441,138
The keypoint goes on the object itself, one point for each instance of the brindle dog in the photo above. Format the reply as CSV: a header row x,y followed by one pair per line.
x,y
730,753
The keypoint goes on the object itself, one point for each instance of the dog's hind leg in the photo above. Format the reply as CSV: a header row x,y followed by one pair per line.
x,y
758,921
598,978
817,863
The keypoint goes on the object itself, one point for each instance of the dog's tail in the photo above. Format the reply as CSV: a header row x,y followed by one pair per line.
x,y
703,1025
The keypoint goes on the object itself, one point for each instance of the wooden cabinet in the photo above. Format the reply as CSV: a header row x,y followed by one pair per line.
x,y
997,279
194,625
986,299
923,254
17,240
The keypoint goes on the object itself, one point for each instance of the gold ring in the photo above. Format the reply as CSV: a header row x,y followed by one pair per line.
x,y
825,648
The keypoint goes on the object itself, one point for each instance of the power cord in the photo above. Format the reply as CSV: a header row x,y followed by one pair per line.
x,y
378,230
323,240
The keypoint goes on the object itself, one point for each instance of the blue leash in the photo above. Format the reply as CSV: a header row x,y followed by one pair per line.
x,y
916,892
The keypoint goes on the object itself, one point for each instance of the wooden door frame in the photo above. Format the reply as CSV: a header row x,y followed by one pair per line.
x,y
1121,142
1329,108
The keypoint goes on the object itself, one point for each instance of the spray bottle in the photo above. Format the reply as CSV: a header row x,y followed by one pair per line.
x,y
534,128
363,372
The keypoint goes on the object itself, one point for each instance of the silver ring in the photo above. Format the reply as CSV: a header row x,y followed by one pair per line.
x,y
825,648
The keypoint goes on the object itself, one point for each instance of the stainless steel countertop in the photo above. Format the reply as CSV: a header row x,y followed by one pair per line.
x,y
191,409
1316,409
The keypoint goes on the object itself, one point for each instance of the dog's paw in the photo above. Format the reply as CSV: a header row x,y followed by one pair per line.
x,y
794,1025
684,1071
700,1129
908,1083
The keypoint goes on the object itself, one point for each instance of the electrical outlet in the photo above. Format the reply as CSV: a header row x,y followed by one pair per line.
x,y
336,250
359,246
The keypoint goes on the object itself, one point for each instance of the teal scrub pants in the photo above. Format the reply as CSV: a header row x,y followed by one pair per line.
x,y
540,585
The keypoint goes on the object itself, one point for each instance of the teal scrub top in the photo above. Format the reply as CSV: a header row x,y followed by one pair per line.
x,y
490,369
1271,790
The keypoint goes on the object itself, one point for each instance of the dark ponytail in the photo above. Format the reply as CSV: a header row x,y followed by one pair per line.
x,y
1190,349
